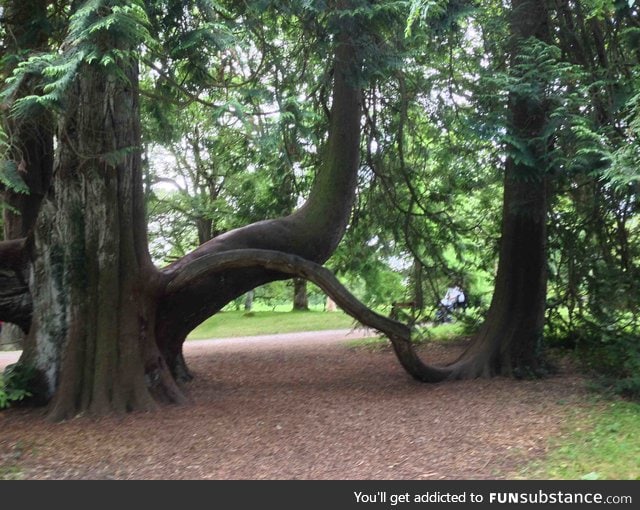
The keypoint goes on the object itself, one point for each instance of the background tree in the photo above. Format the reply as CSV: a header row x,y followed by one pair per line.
x,y
259,124
593,229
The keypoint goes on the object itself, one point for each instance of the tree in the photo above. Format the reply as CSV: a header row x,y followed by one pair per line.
x,y
27,161
300,296
107,326
594,238
509,341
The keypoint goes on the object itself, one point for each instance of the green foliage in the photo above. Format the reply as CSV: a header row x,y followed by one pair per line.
x,y
625,160
471,319
14,384
442,333
105,33
438,15
606,346
431,164
10,177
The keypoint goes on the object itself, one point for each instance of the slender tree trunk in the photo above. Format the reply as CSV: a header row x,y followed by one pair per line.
x,y
204,227
300,297
509,342
418,294
248,301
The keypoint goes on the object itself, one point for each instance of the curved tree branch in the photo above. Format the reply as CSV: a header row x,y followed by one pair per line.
x,y
312,232
399,334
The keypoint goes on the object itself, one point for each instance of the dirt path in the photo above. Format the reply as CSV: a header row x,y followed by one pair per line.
x,y
254,342
304,407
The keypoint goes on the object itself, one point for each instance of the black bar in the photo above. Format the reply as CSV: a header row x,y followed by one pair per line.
x,y
310,495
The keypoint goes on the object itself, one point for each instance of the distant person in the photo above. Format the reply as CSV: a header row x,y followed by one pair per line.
x,y
453,299
330,305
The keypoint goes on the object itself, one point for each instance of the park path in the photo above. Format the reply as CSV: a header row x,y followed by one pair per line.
x,y
256,341
305,406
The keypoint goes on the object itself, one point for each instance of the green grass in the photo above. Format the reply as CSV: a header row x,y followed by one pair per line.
x,y
442,333
11,472
603,445
237,323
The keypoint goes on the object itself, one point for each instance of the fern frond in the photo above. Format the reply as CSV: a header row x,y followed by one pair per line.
x,y
10,178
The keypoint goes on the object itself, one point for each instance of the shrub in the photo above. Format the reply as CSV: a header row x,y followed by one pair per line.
x,y
608,346
14,384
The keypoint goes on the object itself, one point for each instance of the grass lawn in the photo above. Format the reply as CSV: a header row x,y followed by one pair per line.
x,y
237,323
604,445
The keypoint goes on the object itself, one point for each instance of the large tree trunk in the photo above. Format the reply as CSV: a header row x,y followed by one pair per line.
x,y
94,288
509,342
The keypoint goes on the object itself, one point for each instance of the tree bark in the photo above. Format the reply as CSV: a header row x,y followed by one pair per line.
x,y
300,297
509,341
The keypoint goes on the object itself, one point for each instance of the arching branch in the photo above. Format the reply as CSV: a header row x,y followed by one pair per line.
x,y
399,334
313,231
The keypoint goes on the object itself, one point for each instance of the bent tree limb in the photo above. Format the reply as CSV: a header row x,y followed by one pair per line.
x,y
399,334
312,232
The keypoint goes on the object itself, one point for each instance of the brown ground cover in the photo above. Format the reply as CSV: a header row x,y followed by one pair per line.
x,y
306,408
